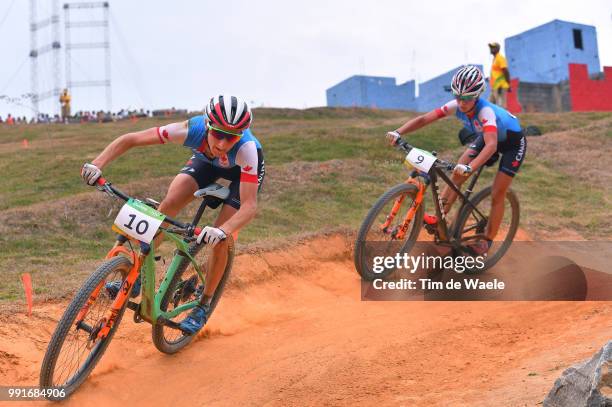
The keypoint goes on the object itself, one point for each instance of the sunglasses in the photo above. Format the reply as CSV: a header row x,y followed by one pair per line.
x,y
223,134
465,98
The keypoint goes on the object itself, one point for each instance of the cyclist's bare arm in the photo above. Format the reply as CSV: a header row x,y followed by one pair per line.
x,y
247,211
418,122
173,133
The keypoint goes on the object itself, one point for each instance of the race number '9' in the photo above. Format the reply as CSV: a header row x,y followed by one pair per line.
x,y
420,159
139,220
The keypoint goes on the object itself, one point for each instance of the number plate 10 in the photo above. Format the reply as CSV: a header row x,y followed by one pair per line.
x,y
139,220
420,159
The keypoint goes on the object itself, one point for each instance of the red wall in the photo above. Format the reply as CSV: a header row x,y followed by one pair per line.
x,y
587,94
512,97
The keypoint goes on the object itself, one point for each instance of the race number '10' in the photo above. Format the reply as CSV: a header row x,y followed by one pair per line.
x,y
420,159
139,220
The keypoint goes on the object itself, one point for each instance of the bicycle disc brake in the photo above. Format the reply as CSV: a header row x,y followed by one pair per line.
x,y
185,290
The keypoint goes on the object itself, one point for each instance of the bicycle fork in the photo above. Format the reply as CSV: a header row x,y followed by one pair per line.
x,y
105,324
400,232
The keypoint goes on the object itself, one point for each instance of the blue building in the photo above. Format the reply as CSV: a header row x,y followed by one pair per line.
x,y
538,58
542,54
372,91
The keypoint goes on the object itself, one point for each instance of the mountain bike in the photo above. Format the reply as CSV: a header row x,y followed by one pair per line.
x,y
87,326
396,218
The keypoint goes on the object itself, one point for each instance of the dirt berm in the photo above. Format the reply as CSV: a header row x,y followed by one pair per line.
x,y
292,330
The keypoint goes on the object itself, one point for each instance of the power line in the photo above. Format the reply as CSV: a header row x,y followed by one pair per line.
x,y
12,78
6,14
135,72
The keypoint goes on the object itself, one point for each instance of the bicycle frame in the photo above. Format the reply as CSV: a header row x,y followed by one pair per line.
x,y
443,235
443,230
143,264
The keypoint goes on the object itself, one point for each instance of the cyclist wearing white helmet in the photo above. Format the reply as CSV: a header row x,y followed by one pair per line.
x,y
496,131
223,147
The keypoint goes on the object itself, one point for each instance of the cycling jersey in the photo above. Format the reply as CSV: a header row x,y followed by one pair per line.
x,y
485,116
243,154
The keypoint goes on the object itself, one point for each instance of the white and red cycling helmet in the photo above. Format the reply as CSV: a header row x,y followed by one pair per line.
x,y
468,81
229,112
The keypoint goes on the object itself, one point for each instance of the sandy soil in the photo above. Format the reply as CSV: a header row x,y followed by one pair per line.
x,y
291,330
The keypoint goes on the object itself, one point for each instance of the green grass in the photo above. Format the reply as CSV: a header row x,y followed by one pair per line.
x,y
326,167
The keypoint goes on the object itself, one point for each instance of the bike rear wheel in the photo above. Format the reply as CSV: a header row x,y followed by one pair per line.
x,y
373,240
471,224
186,286
74,349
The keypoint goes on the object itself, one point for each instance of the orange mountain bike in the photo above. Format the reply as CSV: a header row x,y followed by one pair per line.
x,y
396,219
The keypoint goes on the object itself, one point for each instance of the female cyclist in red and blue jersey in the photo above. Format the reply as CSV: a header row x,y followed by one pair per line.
x,y
496,130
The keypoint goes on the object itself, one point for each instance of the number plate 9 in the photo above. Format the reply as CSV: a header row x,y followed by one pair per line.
x,y
420,159
139,221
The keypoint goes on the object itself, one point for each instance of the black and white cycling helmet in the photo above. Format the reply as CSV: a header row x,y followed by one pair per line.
x,y
468,81
229,112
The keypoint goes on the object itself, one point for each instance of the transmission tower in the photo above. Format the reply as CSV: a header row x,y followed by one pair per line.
x,y
37,28
70,10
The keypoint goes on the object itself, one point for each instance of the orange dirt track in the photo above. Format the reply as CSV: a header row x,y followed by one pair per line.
x,y
291,330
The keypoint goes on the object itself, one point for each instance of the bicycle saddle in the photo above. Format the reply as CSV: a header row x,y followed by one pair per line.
x,y
214,190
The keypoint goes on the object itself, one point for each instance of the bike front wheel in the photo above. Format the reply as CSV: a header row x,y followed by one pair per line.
x,y
75,348
388,229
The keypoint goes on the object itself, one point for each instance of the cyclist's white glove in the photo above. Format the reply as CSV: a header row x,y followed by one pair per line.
x,y
90,173
211,236
392,137
463,169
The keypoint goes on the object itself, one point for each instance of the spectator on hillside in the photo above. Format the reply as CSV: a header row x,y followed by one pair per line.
x,y
500,77
1,121
10,120
65,102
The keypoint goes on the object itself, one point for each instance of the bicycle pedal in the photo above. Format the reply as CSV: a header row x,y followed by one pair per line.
x,y
169,323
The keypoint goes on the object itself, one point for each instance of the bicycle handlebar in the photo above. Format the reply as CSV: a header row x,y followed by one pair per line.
x,y
182,227
446,165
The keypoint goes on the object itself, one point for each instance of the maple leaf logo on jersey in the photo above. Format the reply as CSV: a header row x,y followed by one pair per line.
x,y
247,168
515,163
484,121
165,133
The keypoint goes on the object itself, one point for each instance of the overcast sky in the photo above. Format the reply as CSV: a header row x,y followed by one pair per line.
x,y
277,53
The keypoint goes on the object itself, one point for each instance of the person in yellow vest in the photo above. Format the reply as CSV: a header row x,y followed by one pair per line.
x,y
500,77
65,102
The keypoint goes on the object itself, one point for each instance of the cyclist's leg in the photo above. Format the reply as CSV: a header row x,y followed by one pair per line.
x,y
231,205
218,260
501,183
180,194
510,163
194,175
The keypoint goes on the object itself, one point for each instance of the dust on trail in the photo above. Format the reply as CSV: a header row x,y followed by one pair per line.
x,y
292,330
